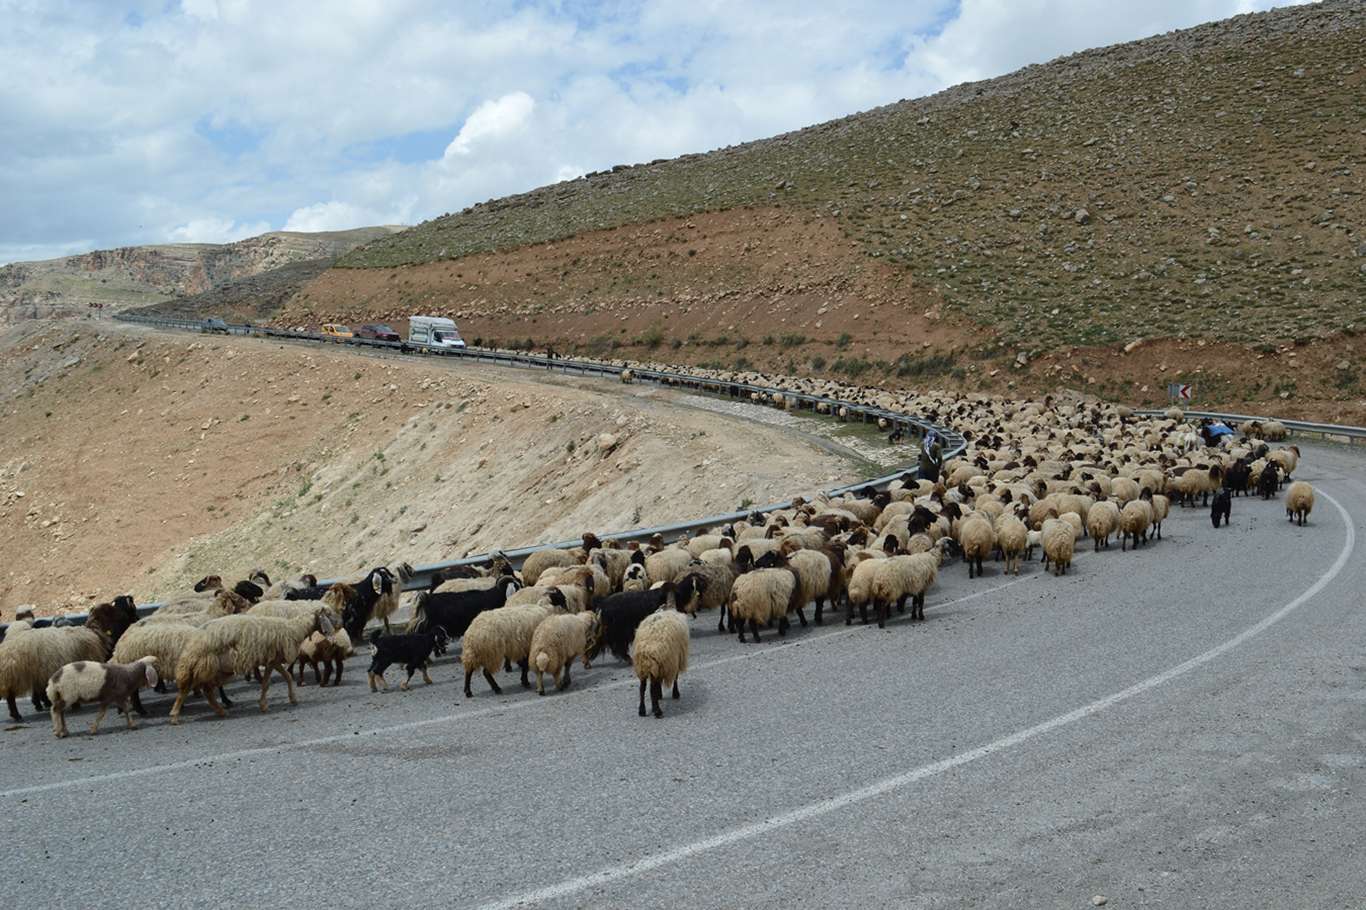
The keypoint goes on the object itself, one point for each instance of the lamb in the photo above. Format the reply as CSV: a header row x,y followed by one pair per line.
x,y
330,651
1059,544
453,611
898,578
635,578
1299,502
412,649
540,560
239,645
104,684
1134,520
497,637
29,657
1102,520
621,613
560,639
978,540
661,655
762,596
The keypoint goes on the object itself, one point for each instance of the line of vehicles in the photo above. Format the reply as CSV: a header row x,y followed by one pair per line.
x,y
428,331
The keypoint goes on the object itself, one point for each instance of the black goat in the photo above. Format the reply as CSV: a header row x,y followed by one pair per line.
x,y
1239,477
412,649
453,611
357,602
1221,507
621,614
1270,482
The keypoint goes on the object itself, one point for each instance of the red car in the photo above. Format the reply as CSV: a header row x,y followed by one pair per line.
x,y
378,331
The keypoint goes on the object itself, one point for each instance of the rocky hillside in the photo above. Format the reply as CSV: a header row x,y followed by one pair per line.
x,y
1206,183
140,275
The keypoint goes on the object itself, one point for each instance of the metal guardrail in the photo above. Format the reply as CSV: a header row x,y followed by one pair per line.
x,y
1351,434
955,444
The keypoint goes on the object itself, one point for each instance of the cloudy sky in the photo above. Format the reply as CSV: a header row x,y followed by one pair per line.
x,y
213,120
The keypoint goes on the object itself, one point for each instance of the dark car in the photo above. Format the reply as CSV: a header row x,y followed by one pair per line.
x,y
378,331
214,326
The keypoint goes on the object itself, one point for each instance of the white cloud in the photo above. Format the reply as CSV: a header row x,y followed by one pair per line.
x,y
338,216
214,117
492,120
215,230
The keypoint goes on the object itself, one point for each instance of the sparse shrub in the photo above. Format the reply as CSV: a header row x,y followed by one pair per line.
x,y
843,340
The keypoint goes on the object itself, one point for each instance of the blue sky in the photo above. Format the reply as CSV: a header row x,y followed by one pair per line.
x,y
213,120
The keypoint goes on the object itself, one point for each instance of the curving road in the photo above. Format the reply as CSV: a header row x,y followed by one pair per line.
x,y
1177,727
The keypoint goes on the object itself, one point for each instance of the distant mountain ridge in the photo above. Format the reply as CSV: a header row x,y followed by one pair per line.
x,y
127,277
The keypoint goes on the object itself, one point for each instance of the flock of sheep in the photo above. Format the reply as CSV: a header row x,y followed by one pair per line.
x,y
1037,477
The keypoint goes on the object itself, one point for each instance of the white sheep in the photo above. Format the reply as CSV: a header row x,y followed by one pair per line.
x,y
1299,501
860,571
1134,520
1012,537
239,645
1059,539
499,637
29,657
1102,520
105,684
978,540
760,597
661,655
900,577
540,560
667,565
557,641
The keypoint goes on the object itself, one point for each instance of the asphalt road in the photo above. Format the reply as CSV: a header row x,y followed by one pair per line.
x,y
1178,727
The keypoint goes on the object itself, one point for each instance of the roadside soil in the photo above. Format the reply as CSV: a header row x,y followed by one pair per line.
x,y
137,461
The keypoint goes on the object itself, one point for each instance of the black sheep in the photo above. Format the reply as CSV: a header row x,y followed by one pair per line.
x,y
453,611
1222,506
621,614
413,650
1238,477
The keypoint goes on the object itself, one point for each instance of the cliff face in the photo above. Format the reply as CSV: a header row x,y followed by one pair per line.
x,y
119,279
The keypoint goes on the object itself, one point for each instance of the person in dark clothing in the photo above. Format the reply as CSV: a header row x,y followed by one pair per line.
x,y
931,460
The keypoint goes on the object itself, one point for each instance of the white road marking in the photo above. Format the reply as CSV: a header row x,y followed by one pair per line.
x,y
898,781
209,760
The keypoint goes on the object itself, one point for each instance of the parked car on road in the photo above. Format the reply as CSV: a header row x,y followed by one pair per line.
x,y
336,331
214,326
378,331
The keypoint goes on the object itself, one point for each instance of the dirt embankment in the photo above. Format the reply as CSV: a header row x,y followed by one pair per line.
x,y
782,291
134,461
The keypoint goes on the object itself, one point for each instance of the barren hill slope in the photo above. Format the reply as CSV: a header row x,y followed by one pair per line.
x,y
137,461
1204,183
136,276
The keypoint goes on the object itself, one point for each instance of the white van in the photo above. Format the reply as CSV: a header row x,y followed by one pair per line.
x,y
434,331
